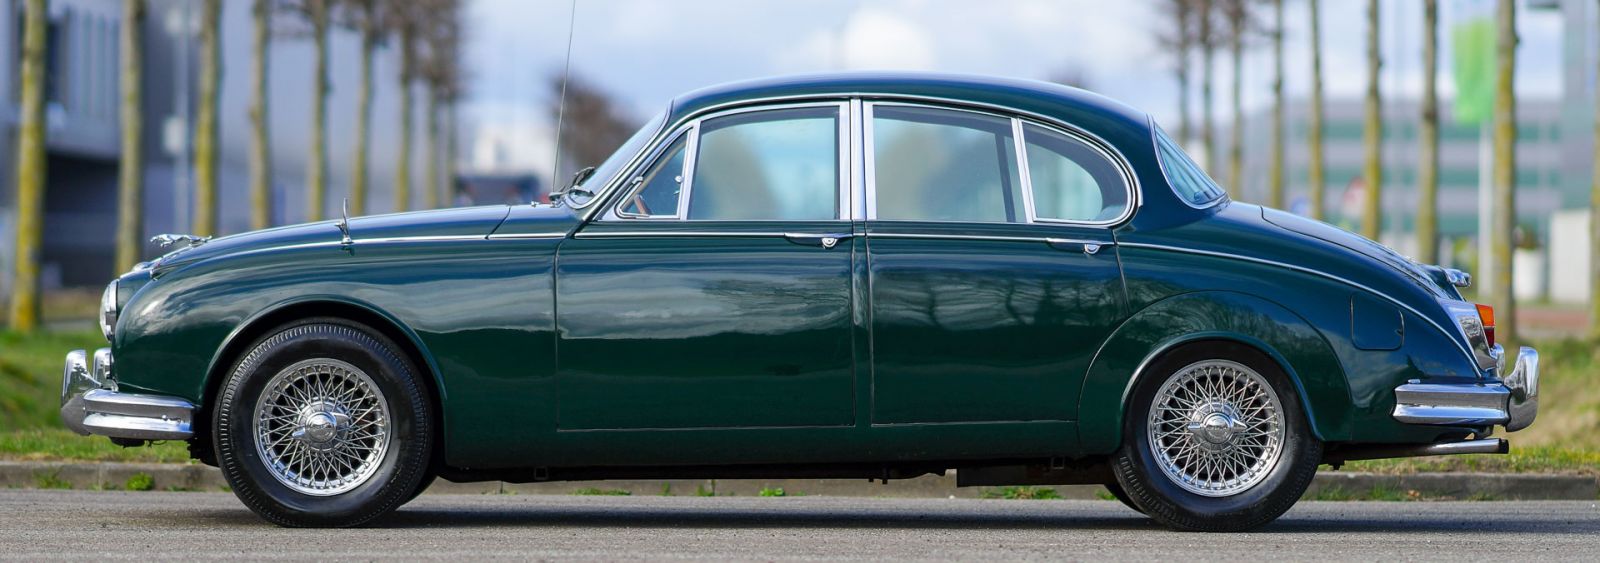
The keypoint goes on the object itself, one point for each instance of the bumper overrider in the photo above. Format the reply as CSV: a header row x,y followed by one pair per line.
x,y
90,404
1512,402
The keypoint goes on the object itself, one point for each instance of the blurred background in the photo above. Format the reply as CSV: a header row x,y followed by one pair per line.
x,y
1398,119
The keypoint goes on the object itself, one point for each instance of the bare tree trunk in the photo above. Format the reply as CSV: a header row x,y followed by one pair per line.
x,y
358,171
1236,135
1594,232
1183,11
130,171
1208,130
205,122
1314,170
450,148
317,165
30,171
260,142
1428,168
1275,175
402,173
1503,207
1372,133
430,161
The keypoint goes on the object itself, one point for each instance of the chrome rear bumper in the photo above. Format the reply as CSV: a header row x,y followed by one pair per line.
x,y
1513,402
90,404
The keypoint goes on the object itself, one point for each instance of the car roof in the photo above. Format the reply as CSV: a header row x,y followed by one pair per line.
x,y
1075,106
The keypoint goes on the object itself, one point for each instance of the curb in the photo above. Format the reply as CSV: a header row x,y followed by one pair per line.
x,y
1328,485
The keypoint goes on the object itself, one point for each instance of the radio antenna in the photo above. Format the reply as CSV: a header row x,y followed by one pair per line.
x,y
561,106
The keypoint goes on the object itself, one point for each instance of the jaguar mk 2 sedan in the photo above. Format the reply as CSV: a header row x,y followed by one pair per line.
x,y
850,276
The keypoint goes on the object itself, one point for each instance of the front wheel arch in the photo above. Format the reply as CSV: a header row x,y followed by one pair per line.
x,y
270,319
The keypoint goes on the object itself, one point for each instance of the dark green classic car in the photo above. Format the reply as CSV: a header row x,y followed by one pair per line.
x,y
856,276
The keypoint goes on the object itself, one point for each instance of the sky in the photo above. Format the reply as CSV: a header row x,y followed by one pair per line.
x,y
644,52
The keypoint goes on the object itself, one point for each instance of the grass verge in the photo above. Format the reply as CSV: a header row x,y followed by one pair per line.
x,y
60,444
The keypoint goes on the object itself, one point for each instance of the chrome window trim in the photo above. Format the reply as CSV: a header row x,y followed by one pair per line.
x,y
1130,182
858,186
1303,269
616,210
608,191
1155,144
842,128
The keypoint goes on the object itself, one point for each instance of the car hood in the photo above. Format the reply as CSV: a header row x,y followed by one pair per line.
x,y
467,221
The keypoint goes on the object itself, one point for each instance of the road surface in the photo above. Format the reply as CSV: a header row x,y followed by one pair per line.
x,y
37,525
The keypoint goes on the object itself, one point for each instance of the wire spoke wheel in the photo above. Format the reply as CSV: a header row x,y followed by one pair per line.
x,y
1216,428
322,427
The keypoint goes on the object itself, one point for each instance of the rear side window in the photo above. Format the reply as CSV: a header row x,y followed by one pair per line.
x,y
1186,177
1071,180
944,165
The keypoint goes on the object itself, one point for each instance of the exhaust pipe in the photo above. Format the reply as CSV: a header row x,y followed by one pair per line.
x,y
1385,451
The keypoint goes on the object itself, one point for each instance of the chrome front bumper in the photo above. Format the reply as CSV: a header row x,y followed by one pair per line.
x,y
90,404
1513,402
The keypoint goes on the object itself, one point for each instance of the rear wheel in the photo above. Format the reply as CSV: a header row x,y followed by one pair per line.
x,y
1215,440
323,423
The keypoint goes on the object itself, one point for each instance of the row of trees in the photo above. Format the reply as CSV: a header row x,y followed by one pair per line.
x,y
1204,25
428,37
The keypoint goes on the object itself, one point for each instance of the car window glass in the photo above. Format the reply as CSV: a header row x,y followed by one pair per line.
x,y
780,164
658,194
1186,177
944,165
1071,180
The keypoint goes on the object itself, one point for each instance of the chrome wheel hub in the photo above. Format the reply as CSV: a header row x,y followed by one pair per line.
x,y
322,427
1216,428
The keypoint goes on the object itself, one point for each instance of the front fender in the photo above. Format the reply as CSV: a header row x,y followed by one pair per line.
x,y
1298,348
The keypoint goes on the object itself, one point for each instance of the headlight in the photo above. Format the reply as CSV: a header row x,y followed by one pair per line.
x,y
108,310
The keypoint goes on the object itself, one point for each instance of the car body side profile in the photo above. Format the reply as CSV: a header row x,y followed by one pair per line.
x,y
847,275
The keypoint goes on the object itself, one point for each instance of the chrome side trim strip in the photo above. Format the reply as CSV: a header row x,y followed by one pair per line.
x,y
608,234
1306,270
957,237
528,236
421,238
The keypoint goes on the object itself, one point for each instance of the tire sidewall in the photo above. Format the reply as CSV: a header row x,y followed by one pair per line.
x,y
1140,474
234,427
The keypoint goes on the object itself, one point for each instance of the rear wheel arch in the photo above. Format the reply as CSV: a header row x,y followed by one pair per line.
x,y
1284,338
267,322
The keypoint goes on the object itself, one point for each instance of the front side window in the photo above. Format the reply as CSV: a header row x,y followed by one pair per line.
x,y
780,164
1071,180
1186,177
604,171
933,164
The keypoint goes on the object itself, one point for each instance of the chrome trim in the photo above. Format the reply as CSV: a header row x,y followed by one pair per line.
x,y
1089,246
91,405
869,159
858,178
528,236
344,223
108,310
1469,324
1458,278
1302,269
1024,173
1513,402
667,233
423,238
1002,238
827,240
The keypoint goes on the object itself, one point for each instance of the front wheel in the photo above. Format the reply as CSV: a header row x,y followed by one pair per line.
x,y
1215,440
323,423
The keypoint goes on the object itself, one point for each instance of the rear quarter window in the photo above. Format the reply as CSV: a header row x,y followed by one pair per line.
x,y
1186,178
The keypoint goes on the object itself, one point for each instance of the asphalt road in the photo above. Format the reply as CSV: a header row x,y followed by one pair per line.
x,y
36,525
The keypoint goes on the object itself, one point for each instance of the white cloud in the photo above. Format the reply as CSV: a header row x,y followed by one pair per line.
x,y
872,38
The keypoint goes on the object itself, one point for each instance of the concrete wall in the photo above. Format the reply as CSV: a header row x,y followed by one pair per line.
x,y
1569,256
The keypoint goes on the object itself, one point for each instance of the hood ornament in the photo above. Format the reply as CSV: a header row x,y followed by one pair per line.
x,y
167,240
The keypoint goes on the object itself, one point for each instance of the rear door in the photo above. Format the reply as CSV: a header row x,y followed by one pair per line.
x,y
989,299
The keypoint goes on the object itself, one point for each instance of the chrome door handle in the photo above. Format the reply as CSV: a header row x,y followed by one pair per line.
x,y
826,240
1079,245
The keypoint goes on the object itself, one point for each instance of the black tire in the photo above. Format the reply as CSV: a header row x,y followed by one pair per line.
x,y
1122,496
427,480
1139,474
403,465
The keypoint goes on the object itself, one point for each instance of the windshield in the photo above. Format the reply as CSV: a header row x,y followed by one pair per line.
x,y
1186,177
602,174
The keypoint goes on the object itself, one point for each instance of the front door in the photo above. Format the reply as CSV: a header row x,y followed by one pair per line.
x,y
994,278
716,292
